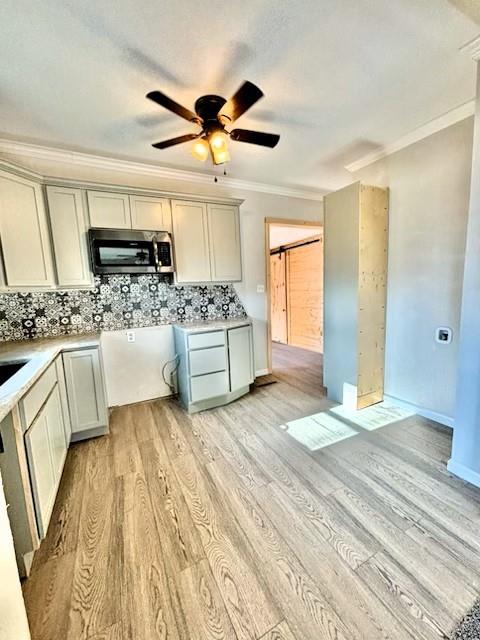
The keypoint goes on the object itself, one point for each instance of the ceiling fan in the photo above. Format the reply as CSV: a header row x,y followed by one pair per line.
x,y
213,114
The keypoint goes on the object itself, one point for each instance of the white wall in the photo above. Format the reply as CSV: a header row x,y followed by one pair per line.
x,y
256,207
140,361
465,460
13,617
429,195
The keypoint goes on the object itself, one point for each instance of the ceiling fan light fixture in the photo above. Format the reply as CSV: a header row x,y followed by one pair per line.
x,y
218,141
220,157
200,149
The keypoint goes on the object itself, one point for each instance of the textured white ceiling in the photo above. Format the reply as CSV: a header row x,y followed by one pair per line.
x,y
341,78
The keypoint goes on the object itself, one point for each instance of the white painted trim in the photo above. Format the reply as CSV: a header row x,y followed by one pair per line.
x,y
463,472
421,411
261,372
442,122
472,48
144,168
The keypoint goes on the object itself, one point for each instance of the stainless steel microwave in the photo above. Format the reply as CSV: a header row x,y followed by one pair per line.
x,y
126,251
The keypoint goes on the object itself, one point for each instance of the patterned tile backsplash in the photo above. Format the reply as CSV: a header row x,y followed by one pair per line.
x,y
116,302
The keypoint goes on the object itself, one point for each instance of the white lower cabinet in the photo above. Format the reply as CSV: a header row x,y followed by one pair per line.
x,y
240,355
215,367
86,393
46,450
67,403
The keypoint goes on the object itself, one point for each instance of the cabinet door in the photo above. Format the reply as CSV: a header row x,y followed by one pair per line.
x,y
24,234
62,389
68,220
56,433
151,214
190,231
224,237
41,469
109,210
85,390
240,351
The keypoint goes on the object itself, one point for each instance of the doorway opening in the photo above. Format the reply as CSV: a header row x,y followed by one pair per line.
x,y
294,261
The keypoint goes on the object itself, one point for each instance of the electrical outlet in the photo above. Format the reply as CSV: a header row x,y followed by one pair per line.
x,y
443,335
260,288
130,336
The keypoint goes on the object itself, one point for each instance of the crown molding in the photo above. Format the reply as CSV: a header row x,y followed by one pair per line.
x,y
442,122
472,48
62,156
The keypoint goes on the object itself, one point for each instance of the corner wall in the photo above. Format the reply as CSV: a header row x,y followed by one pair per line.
x,y
429,195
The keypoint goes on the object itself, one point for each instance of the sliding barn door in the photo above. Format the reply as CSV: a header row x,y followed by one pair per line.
x,y
304,284
278,298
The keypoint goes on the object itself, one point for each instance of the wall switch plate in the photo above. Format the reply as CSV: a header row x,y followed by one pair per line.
x,y
443,335
130,336
260,288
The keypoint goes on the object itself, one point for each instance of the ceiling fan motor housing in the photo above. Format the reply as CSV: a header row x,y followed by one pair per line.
x,y
207,107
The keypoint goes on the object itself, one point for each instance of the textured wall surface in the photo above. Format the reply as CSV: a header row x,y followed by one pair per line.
x,y
116,302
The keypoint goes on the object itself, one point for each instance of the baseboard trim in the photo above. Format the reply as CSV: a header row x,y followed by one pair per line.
x,y
261,372
463,472
421,411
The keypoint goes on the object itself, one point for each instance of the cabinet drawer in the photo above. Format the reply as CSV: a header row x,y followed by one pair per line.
x,y
207,360
33,400
209,339
209,386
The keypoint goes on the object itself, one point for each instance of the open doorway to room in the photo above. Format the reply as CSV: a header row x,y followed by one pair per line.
x,y
294,254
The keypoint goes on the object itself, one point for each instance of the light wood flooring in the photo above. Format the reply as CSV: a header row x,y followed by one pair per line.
x,y
219,525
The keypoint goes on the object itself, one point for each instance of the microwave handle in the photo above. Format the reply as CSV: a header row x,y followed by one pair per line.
x,y
155,255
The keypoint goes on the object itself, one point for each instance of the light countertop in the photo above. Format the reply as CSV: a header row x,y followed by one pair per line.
x,y
39,353
211,325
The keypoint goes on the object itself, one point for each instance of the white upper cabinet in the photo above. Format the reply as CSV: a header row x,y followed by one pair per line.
x,y
109,210
191,245
24,234
68,221
206,242
152,214
224,237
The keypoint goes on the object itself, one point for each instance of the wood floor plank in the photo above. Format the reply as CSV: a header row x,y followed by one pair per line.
x,y
278,441
353,544
417,495
362,612
246,596
244,465
168,428
149,593
280,632
205,613
47,597
127,457
200,440
65,520
413,605
302,602
433,569
180,540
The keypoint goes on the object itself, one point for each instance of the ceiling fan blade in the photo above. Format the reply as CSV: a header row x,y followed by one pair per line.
x,y
255,137
173,141
164,101
247,95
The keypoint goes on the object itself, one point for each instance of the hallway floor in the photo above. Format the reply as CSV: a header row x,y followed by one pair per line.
x,y
219,525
